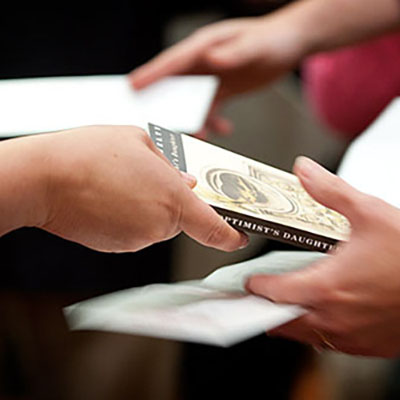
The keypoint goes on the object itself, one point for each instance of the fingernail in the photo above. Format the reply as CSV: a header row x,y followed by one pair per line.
x,y
304,166
189,179
244,241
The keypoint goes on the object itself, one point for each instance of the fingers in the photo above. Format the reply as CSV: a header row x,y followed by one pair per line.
x,y
305,288
202,223
216,124
308,287
185,56
220,125
327,188
231,54
189,179
300,330
178,59
290,288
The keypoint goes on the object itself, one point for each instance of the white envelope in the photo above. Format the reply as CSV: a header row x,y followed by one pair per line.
x,y
37,105
216,310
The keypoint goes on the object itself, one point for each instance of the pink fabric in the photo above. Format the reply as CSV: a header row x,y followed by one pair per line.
x,y
348,88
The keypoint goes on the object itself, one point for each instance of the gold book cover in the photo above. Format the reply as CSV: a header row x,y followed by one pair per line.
x,y
252,196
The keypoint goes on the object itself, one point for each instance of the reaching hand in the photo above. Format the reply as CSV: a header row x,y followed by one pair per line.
x,y
245,53
353,296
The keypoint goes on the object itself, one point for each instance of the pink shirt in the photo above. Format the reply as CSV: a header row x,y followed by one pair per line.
x,y
348,88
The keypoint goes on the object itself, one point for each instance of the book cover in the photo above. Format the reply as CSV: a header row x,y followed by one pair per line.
x,y
252,196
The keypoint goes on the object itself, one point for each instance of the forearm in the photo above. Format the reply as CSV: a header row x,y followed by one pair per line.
x,y
22,183
322,25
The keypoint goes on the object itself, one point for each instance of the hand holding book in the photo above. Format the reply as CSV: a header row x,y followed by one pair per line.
x,y
353,297
105,187
252,196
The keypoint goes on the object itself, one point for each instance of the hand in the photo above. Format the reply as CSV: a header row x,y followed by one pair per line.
x,y
245,53
353,296
110,189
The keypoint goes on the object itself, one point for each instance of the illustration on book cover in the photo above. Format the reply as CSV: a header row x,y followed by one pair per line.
x,y
259,192
252,195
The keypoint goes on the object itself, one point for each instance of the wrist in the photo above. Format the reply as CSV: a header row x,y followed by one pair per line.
x,y
291,41
317,26
23,182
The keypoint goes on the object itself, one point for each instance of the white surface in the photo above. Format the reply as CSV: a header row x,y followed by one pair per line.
x,y
372,162
215,311
48,104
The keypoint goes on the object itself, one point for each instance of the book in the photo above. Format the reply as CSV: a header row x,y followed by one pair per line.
x,y
252,196
216,310
37,105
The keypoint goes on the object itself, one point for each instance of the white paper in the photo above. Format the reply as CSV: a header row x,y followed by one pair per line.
x,y
372,161
49,104
215,310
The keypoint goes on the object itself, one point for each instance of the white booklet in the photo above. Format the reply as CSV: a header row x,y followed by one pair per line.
x,y
216,310
37,105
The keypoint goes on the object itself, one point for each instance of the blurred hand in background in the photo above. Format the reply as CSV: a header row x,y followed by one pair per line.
x,y
244,53
249,53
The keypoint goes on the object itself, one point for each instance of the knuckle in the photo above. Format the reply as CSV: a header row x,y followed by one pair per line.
x,y
335,187
322,298
160,232
324,295
169,213
216,234
126,133
367,206
330,295
141,134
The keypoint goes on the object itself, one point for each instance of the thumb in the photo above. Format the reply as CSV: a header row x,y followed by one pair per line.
x,y
300,287
203,224
327,188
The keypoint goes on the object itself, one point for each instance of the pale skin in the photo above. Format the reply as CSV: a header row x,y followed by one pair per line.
x,y
249,53
353,297
108,188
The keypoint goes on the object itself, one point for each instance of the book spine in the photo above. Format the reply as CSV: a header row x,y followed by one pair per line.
x,y
275,231
170,144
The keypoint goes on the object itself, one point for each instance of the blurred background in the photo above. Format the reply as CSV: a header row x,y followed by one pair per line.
x,y
39,357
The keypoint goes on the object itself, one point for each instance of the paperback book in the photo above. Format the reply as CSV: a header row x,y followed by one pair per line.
x,y
252,196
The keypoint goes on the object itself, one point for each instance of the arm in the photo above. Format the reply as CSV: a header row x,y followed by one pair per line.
x,y
248,53
108,188
23,177
328,24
